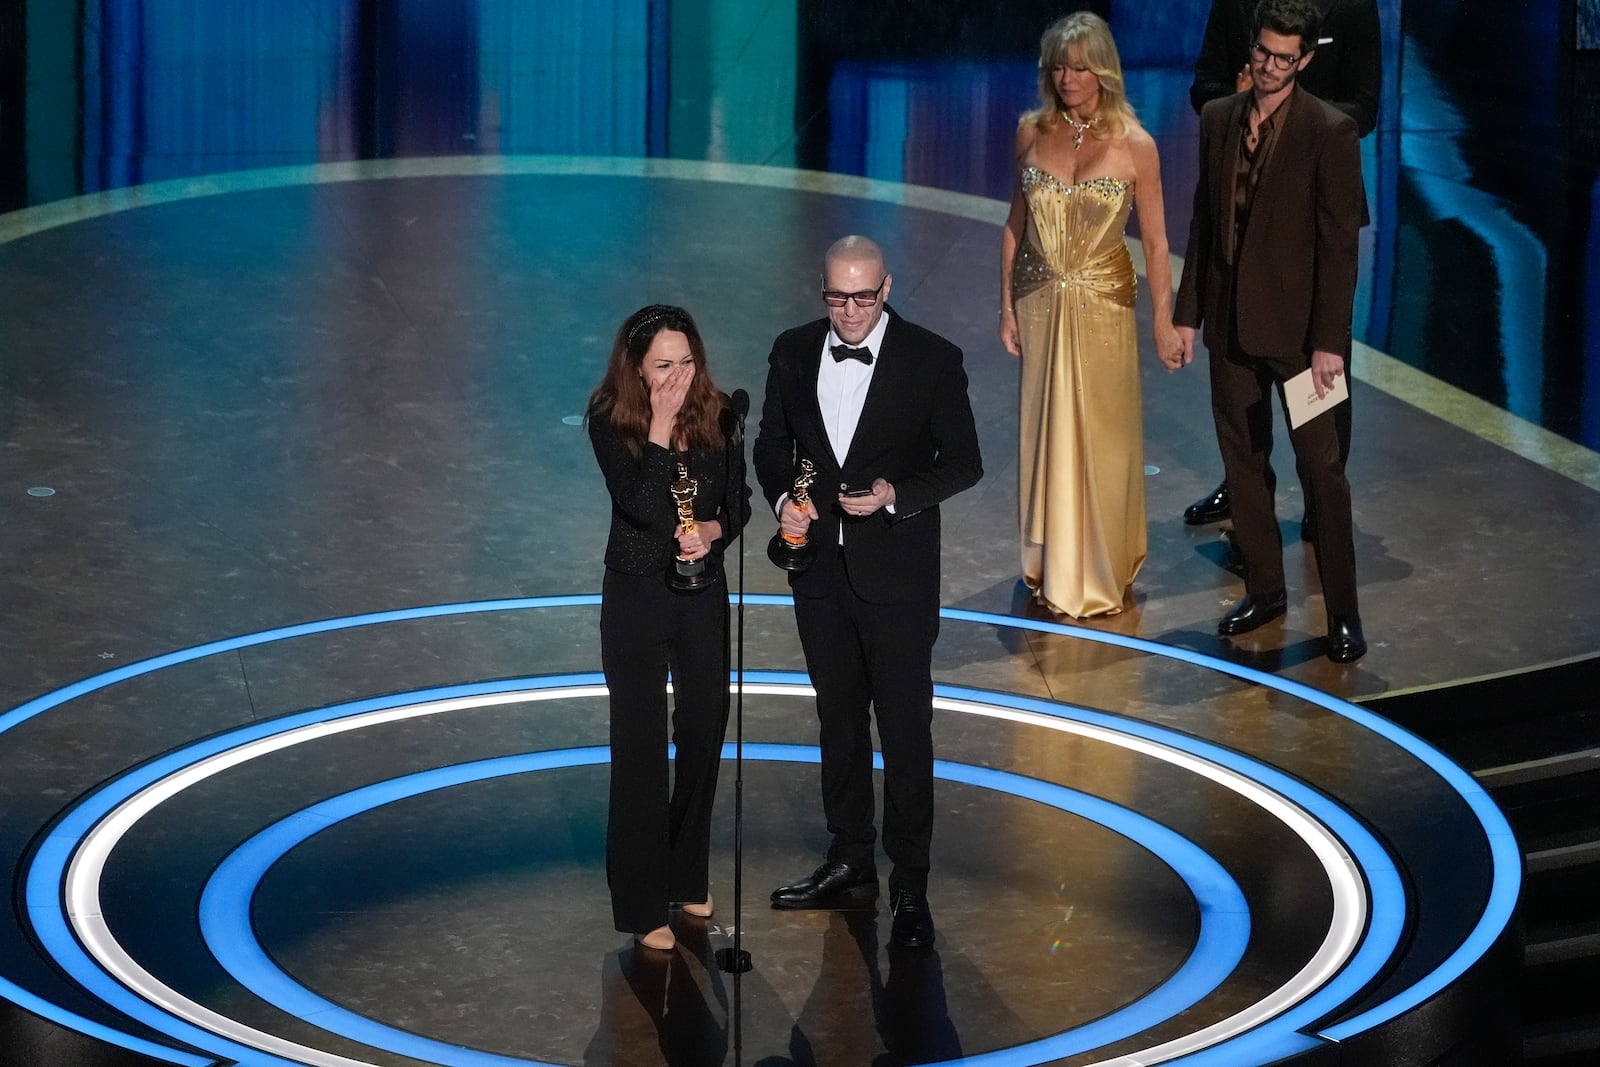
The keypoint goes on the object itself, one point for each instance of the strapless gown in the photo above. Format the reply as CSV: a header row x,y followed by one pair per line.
x,y
1082,435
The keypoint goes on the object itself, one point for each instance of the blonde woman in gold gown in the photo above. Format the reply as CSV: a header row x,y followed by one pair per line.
x,y
1084,164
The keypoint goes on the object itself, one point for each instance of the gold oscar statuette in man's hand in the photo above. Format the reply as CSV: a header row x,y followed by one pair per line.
x,y
795,552
687,575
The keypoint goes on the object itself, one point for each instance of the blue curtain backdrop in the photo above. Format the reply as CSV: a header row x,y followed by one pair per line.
x,y
172,89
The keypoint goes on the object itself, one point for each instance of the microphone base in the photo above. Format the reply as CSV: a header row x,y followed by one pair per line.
x,y
733,960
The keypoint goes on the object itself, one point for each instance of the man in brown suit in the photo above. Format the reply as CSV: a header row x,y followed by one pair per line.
x,y
1271,273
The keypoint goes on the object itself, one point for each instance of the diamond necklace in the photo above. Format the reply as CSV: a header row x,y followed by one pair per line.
x,y
1078,128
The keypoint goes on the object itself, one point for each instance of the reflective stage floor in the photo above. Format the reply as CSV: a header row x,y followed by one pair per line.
x,y
303,763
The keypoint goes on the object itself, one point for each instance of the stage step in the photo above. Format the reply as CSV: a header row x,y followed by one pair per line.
x,y
1571,1043
1529,740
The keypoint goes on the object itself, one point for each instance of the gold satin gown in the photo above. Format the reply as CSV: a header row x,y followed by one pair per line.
x,y
1082,431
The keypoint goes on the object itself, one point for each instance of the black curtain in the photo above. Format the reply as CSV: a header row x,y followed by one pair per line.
x,y
13,110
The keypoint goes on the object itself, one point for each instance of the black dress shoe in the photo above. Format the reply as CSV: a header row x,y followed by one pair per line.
x,y
1213,508
913,923
1252,613
832,885
1346,642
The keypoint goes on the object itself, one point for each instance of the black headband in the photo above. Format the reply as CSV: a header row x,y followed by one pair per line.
x,y
655,315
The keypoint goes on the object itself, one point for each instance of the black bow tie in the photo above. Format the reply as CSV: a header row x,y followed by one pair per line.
x,y
844,352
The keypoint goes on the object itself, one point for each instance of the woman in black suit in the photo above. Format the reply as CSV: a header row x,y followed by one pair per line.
x,y
656,410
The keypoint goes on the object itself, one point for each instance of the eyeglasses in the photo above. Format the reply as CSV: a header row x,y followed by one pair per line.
x,y
1278,60
864,299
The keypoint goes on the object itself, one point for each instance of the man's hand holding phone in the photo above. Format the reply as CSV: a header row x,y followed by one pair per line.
x,y
864,500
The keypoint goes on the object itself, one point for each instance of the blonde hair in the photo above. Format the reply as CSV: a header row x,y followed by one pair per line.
x,y
1097,49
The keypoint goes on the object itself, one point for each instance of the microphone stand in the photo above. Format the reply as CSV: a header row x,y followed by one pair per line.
x,y
735,960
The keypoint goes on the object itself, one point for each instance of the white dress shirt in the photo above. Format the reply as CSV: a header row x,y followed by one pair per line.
x,y
842,386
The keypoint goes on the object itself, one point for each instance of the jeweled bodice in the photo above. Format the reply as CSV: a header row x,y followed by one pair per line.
x,y
1074,236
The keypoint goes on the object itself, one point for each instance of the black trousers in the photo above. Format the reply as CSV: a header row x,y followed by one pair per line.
x,y
658,834
867,659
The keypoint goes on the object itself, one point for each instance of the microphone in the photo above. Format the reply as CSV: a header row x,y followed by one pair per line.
x,y
739,404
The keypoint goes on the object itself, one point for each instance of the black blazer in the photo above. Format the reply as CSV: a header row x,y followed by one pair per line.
x,y
644,516
1292,289
916,431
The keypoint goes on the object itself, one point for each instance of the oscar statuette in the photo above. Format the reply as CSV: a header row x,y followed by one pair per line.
x,y
687,575
795,553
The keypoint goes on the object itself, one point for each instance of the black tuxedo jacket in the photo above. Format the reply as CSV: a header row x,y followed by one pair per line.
x,y
916,432
1290,286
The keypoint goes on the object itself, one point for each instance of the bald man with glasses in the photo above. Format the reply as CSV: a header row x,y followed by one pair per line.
x,y
879,407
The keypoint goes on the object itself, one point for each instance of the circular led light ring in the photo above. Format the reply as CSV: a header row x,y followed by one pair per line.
x,y
214,755
225,904
1492,921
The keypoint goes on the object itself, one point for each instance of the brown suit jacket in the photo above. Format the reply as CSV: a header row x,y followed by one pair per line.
x,y
1291,287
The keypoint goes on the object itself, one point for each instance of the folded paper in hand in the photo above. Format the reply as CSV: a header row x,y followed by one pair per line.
x,y
1301,400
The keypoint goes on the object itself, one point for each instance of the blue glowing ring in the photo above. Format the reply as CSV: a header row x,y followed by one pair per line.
x,y
49,870
225,904
1491,924
1505,854
89,823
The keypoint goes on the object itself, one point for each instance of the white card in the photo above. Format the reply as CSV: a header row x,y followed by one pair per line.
x,y
1301,400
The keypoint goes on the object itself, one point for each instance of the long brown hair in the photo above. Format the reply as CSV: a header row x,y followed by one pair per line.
x,y
624,399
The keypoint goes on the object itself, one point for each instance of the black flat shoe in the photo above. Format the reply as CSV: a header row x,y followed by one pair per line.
x,y
1252,613
1346,642
832,885
913,923
1213,508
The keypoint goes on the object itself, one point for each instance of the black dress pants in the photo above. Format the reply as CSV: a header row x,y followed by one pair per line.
x,y
658,834
867,659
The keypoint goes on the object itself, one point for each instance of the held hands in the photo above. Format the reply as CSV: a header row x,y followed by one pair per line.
x,y
1325,367
1183,355
1170,345
1009,335
692,544
882,496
